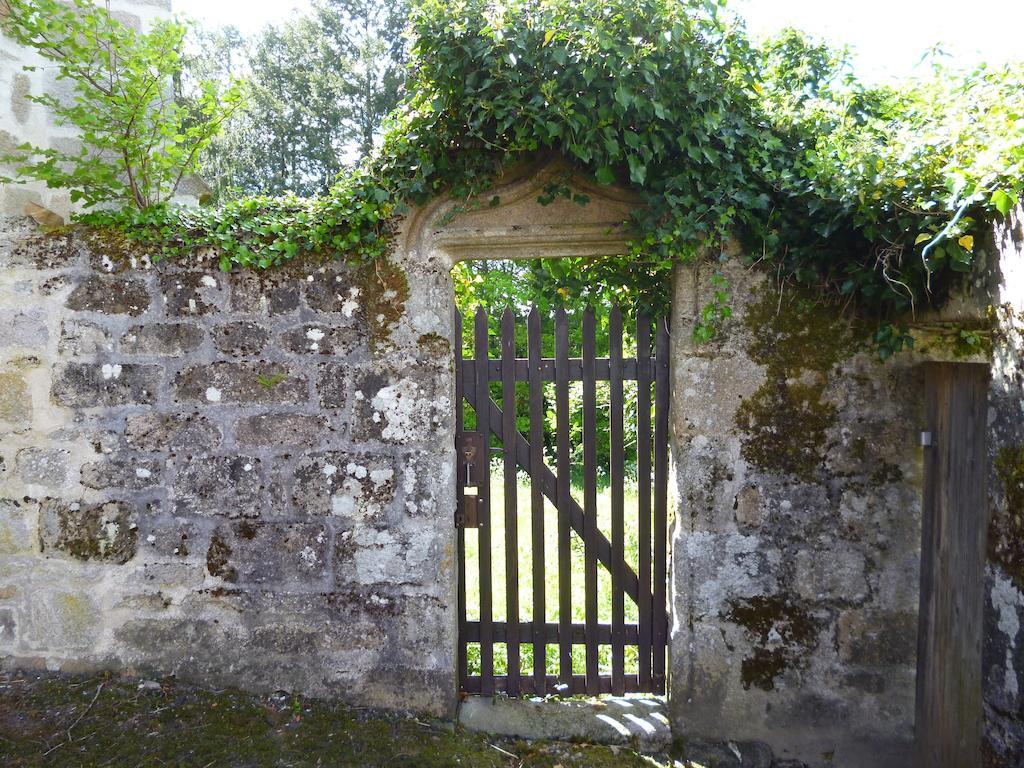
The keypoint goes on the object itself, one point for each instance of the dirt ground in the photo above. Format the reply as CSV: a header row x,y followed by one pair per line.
x,y
57,720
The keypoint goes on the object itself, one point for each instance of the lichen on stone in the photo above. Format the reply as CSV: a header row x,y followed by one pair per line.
x,y
1006,529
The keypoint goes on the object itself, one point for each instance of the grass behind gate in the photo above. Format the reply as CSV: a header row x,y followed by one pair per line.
x,y
525,561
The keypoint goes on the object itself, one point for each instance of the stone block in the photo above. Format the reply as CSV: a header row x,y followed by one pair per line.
x,y
62,619
322,339
80,337
356,487
170,537
110,295
268,553
21,87
191,293
831,571
23,328
8,143
220,486
264,293
8,628
240,382
748,508
43,466
241,338
281,429
333,290
332,385
105,532
44,252
130,20
877,638
85,385
15,401
16,535
397,407
162,339
128,473
172,431
16,199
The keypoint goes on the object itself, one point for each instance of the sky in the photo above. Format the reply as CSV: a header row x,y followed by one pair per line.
x,y
887,37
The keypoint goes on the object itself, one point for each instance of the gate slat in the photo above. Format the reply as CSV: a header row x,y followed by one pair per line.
x,y
460,424
549,483
508,424
661,395
533,328
562,499
616,476
590,530
643,482
483,415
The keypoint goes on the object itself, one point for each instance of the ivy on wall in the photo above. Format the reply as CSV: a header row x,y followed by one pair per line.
x,y
878,195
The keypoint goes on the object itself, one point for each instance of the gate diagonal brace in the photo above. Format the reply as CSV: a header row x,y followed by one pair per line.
x,y
548,483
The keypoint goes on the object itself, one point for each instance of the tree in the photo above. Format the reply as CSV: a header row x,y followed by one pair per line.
x,y
369,36
138,141
320,88
287,139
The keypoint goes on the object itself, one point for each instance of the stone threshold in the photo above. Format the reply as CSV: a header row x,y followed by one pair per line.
x,y
638,722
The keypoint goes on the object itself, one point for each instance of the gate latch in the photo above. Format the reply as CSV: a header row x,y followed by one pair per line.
x,y
472,450
472,473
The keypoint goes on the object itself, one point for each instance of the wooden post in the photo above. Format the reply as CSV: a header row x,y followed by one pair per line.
x,y
954,528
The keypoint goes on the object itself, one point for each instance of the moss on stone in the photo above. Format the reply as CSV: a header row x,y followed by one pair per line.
x,y
799,333
1006,529
104,532
434,346
786,427
116,722
383,291
799,341
217,558
783,632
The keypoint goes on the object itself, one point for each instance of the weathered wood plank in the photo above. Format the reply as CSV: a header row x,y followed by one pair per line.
x,y
483,415
644,490
508,426
954,529
616,475
460,421
563,497
590,529
533,332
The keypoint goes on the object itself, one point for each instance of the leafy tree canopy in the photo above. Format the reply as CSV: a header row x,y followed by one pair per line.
x,y
319,88
879,194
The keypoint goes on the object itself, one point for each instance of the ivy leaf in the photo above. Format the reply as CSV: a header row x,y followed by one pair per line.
x,y
637,170
605,175
1003,201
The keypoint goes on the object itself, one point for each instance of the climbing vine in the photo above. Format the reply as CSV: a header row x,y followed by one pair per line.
x,y
876,195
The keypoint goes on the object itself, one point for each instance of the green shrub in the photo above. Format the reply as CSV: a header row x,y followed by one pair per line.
x,y
137,141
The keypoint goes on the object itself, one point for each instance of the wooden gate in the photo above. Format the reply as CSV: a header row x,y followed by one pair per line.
x,y
642,581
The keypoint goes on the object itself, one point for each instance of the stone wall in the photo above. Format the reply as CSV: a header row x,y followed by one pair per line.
x,y
21,120
247,479
1004,609
797,535
234,478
